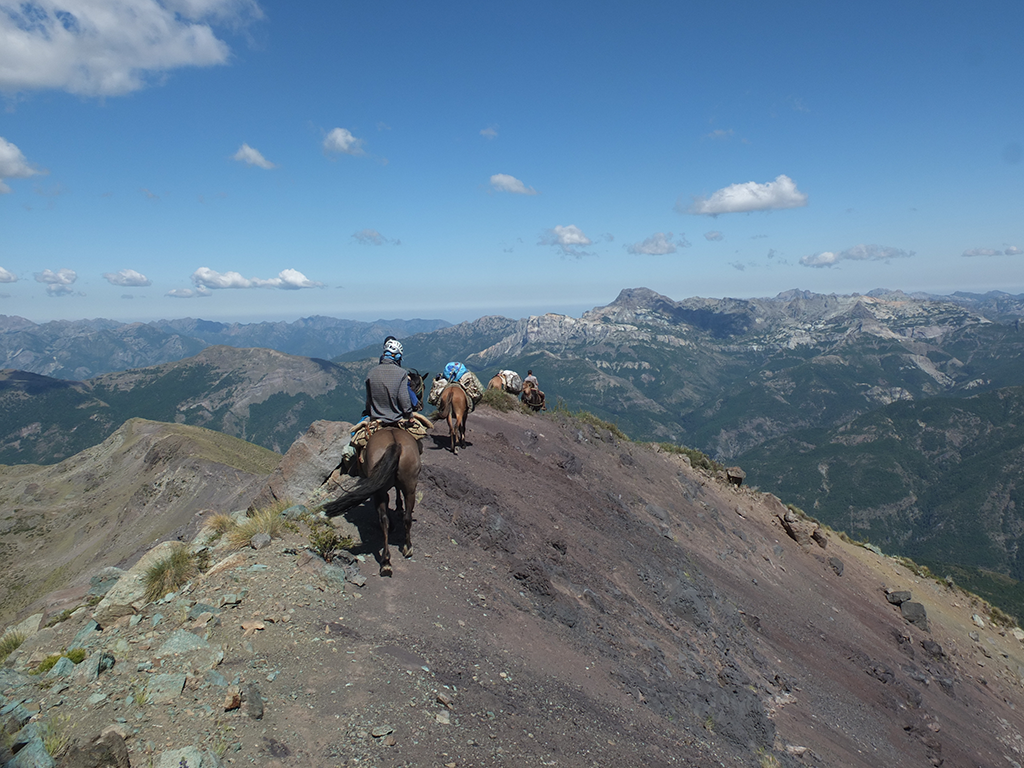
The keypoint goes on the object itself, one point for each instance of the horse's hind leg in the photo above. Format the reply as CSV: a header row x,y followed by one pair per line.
x,y
381,500
453,431
409,491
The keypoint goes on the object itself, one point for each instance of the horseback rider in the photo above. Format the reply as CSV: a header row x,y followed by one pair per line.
x,y
389,396
416,404
456,373
390,401
531,386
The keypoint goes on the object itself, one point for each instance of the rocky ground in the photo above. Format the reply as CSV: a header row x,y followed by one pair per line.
x,y
574,599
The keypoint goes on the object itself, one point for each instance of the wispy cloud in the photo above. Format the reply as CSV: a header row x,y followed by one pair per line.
x,y
502,182
714,235
857,253
57,283
127,277
720,134
341,140
188,293
287,279
570,240
751,196
490,132
250,156
658,244
110,48
7,277
13,164
373,237
1011,250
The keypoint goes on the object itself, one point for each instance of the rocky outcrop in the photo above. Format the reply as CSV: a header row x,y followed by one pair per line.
x,y
306,465
127,596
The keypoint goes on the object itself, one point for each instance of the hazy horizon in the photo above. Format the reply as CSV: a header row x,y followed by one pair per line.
x,y
467,315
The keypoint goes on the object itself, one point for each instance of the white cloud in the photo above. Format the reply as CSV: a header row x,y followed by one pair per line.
x,y
502,182
127,277
743,198
250,156
110,48
569,239
188,293
373,237
60,277
490,132
287,279
658,244
340,140
7,277
857,253
13,164
1011,250
713,235
57,283
720,133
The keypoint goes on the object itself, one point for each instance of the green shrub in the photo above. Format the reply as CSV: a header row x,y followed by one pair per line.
x,y
586,417
324,540
1000,618
502,401
62,616
171,573
697,459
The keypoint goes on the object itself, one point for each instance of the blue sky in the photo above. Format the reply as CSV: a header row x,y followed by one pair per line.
x,y
236,160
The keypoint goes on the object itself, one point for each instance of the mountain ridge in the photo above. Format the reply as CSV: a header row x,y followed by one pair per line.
x,y
573,598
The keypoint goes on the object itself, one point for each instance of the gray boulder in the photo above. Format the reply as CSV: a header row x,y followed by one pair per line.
x,y
915,613
308,463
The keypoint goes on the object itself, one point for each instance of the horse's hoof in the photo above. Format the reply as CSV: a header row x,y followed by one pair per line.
x,y
385,570
407,551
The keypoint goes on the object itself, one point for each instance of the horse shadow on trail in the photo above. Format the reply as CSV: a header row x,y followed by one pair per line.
x,y
364,518
443,443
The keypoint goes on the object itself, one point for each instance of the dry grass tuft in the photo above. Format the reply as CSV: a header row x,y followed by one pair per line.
x,y
9,643
171,573
267,520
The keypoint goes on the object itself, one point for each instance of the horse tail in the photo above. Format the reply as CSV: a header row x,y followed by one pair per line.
x,y
382,476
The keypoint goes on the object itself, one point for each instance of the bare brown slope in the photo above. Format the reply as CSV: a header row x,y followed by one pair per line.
x,y
624,571
110,503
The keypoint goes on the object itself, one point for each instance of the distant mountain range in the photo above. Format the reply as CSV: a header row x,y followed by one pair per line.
x,y
82,349
819,397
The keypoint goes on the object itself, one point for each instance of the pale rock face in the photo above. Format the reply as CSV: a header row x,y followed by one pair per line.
x,y
128,595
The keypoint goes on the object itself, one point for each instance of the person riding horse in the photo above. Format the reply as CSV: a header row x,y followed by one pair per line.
x,y
532,396
417,405
389,397
390,400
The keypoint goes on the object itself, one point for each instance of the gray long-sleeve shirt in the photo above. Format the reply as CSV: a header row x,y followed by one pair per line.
x,y
387,393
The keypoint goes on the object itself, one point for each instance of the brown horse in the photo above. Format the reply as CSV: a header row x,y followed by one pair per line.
x,y
391,459
455,408
496,383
